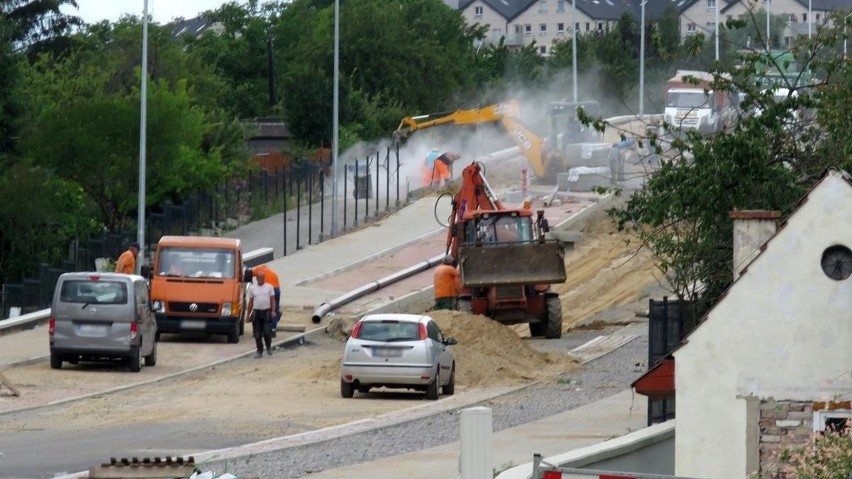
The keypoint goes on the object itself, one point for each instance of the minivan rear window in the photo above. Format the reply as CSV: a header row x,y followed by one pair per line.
x,y
93,292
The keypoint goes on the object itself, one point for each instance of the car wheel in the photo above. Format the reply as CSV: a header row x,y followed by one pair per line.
x,y
135,362
55,361
234,336
151,359
450,388
432,388
554,318
464,305
347,390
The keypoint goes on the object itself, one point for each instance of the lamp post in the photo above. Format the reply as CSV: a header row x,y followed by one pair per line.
x,y
574,45
768,38
716,3
143,119
810,19
334,126
642,62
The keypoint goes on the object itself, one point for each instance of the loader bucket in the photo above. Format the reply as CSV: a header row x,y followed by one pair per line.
x,y
511,264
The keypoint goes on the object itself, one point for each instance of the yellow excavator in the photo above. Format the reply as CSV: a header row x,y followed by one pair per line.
x,y
546,156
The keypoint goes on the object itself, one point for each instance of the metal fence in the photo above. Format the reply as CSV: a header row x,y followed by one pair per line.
x,y
370,187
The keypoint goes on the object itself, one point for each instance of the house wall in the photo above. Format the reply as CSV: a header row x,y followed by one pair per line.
x,y
489,17
782,332
550,13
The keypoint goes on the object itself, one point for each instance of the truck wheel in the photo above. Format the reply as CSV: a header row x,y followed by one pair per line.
x,y
347,390
464,305
234,335
151,359
537,329
135,361
554,318
450,388
55,361
432,388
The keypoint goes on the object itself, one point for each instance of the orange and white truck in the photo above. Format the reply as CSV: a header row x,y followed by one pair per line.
x,y
200,284
692,103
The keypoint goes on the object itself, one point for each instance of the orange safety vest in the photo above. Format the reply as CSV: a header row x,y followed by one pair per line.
x,y
126,263
446,281
270,276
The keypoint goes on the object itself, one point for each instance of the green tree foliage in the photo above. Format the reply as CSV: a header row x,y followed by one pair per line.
x,y
778,148
9,99
39,211
38,25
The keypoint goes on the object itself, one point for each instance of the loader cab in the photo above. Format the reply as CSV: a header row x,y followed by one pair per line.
x,y
499,227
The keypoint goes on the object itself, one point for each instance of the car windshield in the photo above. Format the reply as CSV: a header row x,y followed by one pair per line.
x,y
196,262
93,292
688,100
389,331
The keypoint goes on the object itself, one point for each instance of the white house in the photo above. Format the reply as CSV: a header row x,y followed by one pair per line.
x,y
772,362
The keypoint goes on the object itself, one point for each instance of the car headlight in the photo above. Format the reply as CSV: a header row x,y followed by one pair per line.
x,y
226,309
159,306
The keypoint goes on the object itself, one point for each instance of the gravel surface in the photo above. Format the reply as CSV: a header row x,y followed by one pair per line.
x,y
599,379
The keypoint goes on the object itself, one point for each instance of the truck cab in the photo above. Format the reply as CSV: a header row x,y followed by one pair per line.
x,y
199,283
692,104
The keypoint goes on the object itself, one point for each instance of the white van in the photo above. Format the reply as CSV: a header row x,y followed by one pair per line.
x,y
102,316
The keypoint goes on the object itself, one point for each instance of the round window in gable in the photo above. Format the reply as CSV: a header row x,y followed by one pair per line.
x,y
837,262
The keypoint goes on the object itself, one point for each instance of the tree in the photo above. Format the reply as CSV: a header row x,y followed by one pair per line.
x,y
766,161
34,23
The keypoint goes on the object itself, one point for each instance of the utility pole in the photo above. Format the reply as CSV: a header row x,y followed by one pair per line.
x,y
143,120
334,126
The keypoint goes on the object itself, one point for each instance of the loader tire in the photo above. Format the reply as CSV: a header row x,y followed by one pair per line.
x,y
554,318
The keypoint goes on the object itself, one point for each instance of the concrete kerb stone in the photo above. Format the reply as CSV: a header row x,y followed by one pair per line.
x,y
290,340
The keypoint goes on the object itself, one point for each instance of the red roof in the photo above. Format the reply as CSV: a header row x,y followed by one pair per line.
x,y
657,381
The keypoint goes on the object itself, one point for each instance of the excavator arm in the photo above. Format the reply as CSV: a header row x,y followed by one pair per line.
x,y
507,113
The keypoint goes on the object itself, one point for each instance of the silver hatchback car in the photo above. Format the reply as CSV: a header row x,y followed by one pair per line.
x,y
398,351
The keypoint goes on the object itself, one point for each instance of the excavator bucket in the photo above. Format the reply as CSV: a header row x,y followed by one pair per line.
x,y
511,264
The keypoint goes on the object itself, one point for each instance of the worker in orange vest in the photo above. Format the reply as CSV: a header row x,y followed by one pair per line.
x,y
446,282
272,279
127,261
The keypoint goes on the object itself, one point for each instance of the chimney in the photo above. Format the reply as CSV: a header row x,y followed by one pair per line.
x,y
752,228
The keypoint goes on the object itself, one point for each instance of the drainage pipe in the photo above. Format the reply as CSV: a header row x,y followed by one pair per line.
x,y
368,288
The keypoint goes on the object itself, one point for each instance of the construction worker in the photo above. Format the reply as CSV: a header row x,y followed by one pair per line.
x,y
272,280
127,261
428,168
446,282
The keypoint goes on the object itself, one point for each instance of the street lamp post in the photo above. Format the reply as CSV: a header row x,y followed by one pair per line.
x,y
810,19
574,45
716,13
642,62
143,120
768,38
334,126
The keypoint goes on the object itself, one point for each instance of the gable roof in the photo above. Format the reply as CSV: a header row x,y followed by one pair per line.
x,y
508,9
192,26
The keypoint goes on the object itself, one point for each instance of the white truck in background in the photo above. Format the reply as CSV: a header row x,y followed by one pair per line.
x,y
691,103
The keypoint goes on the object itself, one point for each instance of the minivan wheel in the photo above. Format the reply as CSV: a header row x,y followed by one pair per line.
x,y
135,361
432,388
151,359
347,390
55,361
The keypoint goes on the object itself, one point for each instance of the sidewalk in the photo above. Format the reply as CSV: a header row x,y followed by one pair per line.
x,y
583,426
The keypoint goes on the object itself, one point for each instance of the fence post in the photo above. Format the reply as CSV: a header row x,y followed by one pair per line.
x,y
298,214
310,205
355,194
367,188
322,204
284,191
387,179
378,155
345,203
397,175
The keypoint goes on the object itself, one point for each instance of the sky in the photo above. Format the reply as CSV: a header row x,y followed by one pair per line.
x,y
162,11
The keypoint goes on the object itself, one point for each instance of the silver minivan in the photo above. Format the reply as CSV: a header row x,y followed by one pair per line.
x,y
102,316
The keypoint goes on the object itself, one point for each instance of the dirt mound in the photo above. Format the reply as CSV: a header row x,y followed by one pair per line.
x,y
491,354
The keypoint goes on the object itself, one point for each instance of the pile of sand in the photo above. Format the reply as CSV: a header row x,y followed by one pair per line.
x,y
488,354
